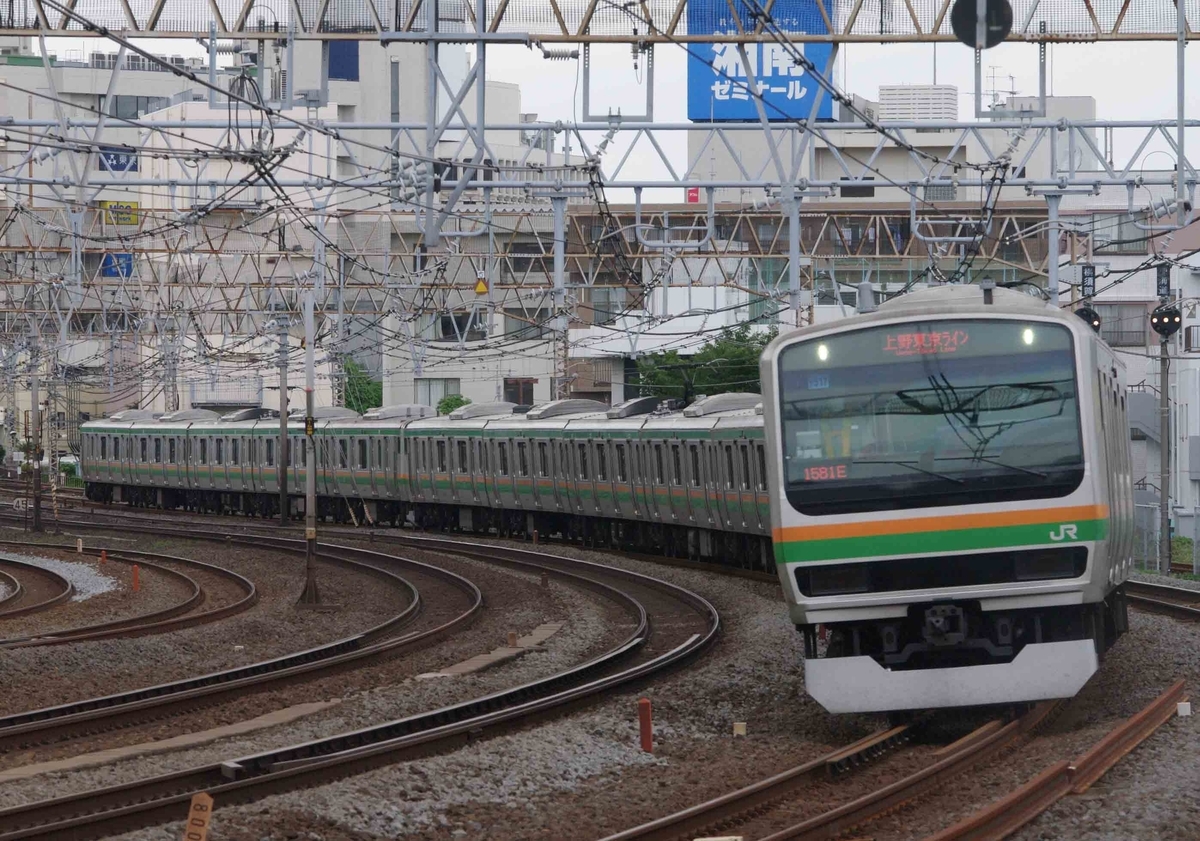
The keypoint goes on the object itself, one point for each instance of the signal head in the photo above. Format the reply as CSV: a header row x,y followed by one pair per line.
x,y
1090,316
1166,321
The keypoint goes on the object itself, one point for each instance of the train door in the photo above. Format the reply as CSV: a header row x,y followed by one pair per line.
x,y
747,503
722,460
761,498
697,490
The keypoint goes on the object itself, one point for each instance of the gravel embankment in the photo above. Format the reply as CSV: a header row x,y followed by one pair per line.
x,y
87,580
585,772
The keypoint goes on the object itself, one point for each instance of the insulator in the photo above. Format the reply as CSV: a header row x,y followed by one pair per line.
x,y
559,54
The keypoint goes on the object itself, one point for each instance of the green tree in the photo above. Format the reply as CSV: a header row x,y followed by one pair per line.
x,y
451,402
362,392
727,363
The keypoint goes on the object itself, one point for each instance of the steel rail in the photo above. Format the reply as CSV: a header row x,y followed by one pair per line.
x,y
66,590
1014,810
14,587
1178,602
122,709
105,811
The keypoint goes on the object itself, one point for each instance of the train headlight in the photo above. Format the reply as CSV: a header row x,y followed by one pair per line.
x,y
1027,336
823,352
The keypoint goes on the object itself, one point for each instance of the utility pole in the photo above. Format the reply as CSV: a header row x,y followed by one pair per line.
x,y
311,595
1164,435
562,336
35,415
284,503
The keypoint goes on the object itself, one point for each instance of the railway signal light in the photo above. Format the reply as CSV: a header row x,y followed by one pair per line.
x,y
1166,321
1090,316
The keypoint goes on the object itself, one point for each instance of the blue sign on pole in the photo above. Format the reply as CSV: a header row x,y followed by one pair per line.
x,y
719,87
116,265
118,160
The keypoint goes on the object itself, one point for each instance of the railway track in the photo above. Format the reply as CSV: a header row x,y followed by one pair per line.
x,y
1178,602
172,618
672,625
151,703
24,598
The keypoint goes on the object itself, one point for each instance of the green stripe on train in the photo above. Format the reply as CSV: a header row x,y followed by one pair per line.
x,y
957,540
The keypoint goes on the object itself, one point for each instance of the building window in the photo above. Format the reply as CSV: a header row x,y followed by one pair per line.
x,y
519,324
1191,341
428,391
1117,233
1122,325
519,390
461,326
608,303
857,190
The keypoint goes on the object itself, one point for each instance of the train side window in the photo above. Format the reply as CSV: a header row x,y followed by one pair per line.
x,y
116,448
362,454
676,465
104,446
203,451
659,471
270,452
441,457
583,462
622,467
522,458
602,461
745,467
543,458
171,450
484,456
761,450
379,453
220,454
343,455
158,451
714,474
461,446
729,478
503,457
694,451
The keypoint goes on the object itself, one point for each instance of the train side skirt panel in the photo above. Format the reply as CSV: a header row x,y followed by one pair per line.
x,y
1042,671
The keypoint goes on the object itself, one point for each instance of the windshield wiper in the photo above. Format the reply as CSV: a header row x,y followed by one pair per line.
x,y
913,465
1028,470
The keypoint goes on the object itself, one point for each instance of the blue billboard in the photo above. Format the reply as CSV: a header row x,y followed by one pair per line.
x,y
719,88
115,159
116,265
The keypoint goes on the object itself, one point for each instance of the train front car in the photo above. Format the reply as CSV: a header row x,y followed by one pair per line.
x,y
942,489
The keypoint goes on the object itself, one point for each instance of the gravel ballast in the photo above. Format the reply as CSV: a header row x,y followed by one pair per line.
x,y
85,578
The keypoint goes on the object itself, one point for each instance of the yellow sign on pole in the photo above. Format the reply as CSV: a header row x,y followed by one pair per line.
x,y
481,287
199,816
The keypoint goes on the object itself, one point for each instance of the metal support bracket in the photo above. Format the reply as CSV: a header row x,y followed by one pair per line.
x,y
644,49
667,243
981,113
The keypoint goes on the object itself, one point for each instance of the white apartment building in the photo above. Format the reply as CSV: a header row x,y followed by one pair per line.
x,y
913,103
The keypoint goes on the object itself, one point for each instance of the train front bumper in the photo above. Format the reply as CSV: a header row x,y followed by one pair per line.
x,y
1041,671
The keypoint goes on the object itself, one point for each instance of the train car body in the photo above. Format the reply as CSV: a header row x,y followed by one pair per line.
x,y
689,484
951,500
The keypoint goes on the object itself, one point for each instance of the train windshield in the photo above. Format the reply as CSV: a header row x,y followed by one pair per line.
x,y
934,412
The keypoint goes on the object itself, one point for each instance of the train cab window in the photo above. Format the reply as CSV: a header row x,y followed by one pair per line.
x,y
203,451
463,466
762,466
676,465
362,454
602,461
660,473
522,458
745,467
171,450
270,452
729,477
441,457
694,451
219,455
235,456
502,449
583,462
104,446
622,467
543,459
343,454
